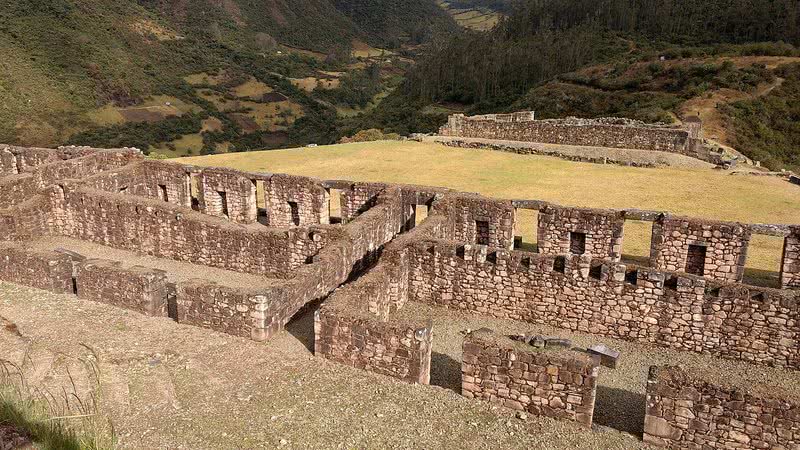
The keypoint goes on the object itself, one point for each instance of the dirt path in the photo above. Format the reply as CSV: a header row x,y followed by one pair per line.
x,y
707,108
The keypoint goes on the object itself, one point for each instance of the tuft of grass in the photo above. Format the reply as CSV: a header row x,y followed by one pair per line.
x,y
54,420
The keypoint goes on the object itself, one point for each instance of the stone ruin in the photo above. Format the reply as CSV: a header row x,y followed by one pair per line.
x,y
609,132
242,253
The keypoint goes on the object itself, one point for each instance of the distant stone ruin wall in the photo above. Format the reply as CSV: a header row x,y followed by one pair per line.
x,y
610,299
581,231
710,249
558,384
609,132
686,411
592,133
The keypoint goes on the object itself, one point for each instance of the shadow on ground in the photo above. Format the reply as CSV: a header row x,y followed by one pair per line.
x,y
445,372
302,327
620,409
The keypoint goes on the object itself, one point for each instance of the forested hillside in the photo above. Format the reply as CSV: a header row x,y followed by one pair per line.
x,y
392,23
643,59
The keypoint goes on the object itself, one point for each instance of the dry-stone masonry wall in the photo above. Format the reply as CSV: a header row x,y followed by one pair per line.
x,y
461,257
136,288
684,411
355,326
597,233
553,383
600,297
712,249
613,133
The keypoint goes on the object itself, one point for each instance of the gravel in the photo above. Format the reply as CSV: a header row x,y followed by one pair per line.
x,y
166,385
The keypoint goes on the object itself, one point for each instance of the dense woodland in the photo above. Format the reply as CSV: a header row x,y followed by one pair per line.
x,y
543,38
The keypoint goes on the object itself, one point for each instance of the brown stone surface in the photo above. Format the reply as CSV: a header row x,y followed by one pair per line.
x,y
715,250
686,411
603,230
559,384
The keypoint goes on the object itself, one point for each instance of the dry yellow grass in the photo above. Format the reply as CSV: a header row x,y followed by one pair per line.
x,y
252,88
308,84
700,193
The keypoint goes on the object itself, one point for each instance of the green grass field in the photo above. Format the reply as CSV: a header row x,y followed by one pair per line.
x,y
700,193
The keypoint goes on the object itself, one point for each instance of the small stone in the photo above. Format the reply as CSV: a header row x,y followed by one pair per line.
x,y
522,415
608,356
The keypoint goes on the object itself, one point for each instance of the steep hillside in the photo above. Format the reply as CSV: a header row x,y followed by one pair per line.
x,y
193,75
390,23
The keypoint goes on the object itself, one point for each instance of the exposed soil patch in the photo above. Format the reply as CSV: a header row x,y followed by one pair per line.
x,y
12,438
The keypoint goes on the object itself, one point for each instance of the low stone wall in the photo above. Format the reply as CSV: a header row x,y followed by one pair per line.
x,y
583,132
685,411
524,148
49,271
399,349
553,383
579,293
136,288
220,308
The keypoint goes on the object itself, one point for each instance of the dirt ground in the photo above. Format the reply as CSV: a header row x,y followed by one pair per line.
x,y
165,385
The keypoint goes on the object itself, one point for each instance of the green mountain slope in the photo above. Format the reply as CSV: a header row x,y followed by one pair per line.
x,y
148,71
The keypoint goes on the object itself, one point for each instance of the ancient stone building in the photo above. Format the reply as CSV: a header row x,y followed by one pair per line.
x,y
242,253
686,139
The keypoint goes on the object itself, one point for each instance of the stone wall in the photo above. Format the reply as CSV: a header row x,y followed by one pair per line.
x,y
163,230
479,220
361,324
355,326
353,250
294,201
220,308
593,232
705,248
579,293
49,271
553,383
136,288
357,198
790,261
228,194
684,411
614,133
